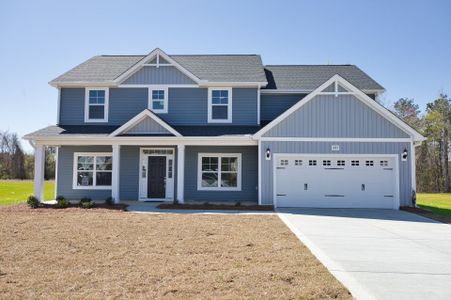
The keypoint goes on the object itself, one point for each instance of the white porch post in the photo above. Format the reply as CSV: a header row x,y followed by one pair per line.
x,y
180,173
39,167
116,173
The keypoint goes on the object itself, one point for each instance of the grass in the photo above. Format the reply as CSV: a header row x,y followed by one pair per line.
x,y
75,253
437,203
17,191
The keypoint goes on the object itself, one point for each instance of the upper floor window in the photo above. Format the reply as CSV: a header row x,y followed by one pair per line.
x,y
158,99
219,105
96,105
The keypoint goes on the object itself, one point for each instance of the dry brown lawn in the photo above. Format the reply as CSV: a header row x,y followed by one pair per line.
x,y
95,254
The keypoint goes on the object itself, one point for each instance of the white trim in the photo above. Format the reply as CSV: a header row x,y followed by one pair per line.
x,y
105,106
94,171
231,84
139,117
39,169
152,88
396,204
258,104
56,171
259,149
219,156
171,86
151,55
333,139
358,94
58,108
115,176
181,173
143,183
413,162
306,91
229,105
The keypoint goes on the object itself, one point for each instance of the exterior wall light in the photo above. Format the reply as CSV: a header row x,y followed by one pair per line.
x,y
404,155
268,154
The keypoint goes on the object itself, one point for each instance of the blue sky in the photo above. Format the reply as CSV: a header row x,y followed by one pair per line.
x,y
404,45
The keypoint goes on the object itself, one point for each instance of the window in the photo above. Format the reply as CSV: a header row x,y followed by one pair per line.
x,y
158,99
284,162
96,105
369,163
298,162
340,163
170,168
312,162
219,172
326,162
92,170
220,105
355,163
384,163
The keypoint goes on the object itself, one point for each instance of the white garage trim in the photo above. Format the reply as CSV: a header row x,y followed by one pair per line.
x,y
395,158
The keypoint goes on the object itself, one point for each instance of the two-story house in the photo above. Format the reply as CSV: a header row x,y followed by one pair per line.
x,y
161,127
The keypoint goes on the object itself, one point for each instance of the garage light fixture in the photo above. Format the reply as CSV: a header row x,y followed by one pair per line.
x,y
404,155
268,154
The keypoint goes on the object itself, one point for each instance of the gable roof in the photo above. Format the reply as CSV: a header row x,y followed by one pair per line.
x,y
309,77
358,94
141,116
111,69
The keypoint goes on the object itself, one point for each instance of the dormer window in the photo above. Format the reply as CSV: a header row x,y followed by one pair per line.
x,y
96,105
220,105
158,99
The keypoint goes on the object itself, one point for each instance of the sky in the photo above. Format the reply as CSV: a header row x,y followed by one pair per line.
x,y
403,45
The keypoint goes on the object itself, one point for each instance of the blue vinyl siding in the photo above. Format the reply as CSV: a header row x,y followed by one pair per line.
x,y
330,116
161,75
65,173
272,106
249,176
187,106
405,183
129,180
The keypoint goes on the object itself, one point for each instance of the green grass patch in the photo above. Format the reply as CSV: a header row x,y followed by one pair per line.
x,y
17,191
437,203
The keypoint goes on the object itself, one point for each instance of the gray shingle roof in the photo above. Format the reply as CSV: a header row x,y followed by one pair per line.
x,y
214,68
309,77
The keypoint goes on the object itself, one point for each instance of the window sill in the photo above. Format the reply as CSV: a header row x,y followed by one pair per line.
x,y
109,187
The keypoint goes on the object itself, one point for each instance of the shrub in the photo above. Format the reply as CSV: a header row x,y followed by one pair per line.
x,y
61,202
33,202
109,201
176,202
87,205
85,199
238,203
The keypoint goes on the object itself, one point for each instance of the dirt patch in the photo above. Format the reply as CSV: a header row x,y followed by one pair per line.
x,y
428,214
100,208
75,253
208,206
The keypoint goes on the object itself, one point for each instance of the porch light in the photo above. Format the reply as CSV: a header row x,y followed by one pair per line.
x,y
268,154
404,155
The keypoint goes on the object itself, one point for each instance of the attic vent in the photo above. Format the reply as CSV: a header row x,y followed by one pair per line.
x,y
158,61
335,89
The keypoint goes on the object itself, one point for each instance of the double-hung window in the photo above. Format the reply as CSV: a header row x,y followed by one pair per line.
x,y
158,99
96,105
92,170
219,172
219,105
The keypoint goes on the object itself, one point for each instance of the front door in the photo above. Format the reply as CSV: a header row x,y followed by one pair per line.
x,y
156,177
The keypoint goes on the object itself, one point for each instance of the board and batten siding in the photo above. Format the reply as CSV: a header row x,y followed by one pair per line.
x,y
186,106
272,105
162,75
405,183
147,126
249,175
330,116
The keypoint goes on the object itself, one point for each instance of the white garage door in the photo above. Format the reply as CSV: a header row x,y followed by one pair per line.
x,y
335,181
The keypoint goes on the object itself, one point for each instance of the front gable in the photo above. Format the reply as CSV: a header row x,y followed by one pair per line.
x,y
337,109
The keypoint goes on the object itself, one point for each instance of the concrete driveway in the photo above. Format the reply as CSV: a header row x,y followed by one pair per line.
x,y
378,254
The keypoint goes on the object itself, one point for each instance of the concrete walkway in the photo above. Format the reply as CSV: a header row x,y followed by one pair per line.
x,y
378,254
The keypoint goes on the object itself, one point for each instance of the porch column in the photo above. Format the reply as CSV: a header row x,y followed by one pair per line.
x,y
115,173
180,173
39,167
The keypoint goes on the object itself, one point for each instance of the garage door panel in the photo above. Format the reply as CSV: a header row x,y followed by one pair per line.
x,y
335,182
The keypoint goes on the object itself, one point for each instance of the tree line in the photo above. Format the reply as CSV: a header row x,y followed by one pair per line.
x,y
16,164
432,156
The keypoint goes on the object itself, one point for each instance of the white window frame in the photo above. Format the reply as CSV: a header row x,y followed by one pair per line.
x,y
219,156
94,171
105,106
210,105
165,100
